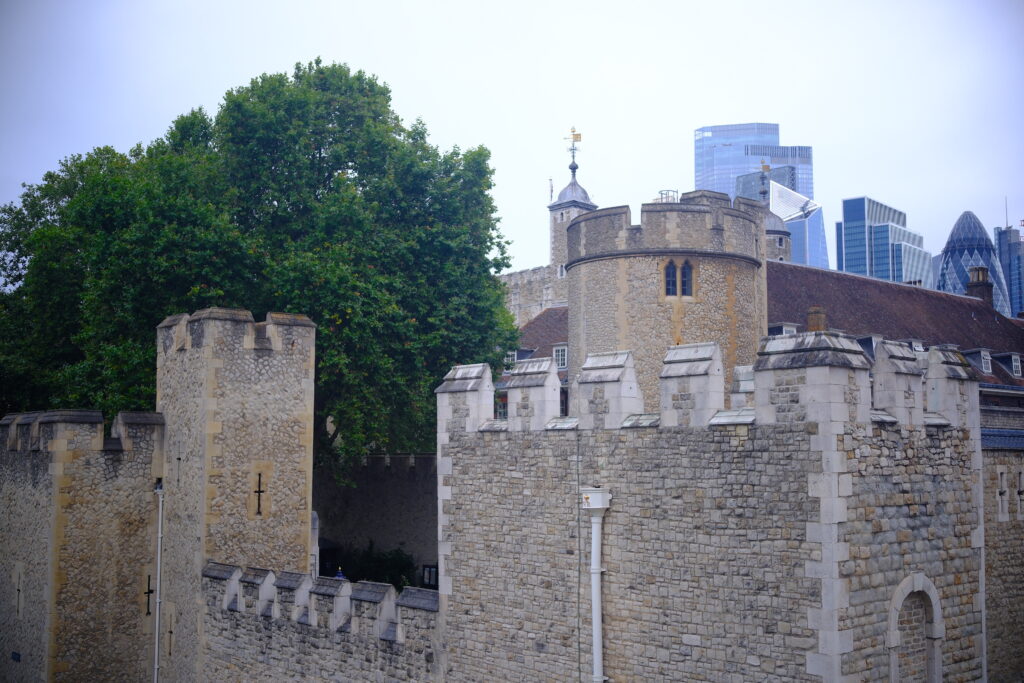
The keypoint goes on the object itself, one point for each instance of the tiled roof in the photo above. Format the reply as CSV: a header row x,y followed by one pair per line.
x,y
862,306
550,327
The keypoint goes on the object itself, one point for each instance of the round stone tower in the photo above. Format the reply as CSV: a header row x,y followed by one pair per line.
x,y
692,271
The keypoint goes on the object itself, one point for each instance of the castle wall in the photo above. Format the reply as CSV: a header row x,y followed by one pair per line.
x,y
392,503
26,536
238,400
292,627
83,561
1004,558
797,548
528,292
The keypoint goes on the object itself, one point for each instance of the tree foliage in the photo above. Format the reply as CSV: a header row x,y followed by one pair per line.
x,y
304,194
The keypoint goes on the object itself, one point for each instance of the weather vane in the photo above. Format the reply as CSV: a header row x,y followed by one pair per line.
x,y
574,137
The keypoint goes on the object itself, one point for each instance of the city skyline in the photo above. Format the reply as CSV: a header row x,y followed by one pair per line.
x,y
118,73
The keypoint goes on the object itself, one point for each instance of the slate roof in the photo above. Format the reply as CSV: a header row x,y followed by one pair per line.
x,y
550,327
863,306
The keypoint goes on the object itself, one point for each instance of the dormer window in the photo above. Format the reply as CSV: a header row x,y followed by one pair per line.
x,y
986,362
561,354
1015,364
510,359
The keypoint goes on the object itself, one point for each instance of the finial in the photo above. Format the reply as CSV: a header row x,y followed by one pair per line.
x,y
574,137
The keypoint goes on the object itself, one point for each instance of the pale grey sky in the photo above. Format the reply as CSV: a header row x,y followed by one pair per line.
x,y
918,104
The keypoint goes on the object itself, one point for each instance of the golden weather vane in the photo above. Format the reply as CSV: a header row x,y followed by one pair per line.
x,y
574,137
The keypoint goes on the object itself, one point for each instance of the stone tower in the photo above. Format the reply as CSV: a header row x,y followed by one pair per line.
x,y
692,271
237,398
572,201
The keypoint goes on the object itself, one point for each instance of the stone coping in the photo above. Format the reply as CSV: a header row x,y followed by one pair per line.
x,y
369,591
289,580
419,598
71,416
329,586
219,571
254,575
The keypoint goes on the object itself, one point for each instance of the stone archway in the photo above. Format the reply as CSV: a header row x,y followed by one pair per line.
x,y
915,631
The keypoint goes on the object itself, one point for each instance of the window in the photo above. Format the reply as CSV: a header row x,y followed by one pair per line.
x,y
1003,502
561,271
561,354
671,288
501,405
686,280
510,359
986,362
1015,362
563,402
1020,495
780,243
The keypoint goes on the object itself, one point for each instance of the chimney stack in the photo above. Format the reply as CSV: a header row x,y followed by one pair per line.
x,y
980,287
816,321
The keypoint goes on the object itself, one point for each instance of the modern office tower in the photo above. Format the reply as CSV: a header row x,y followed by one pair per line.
x,y
1010,249
802,216
969,245
723,153
750,185
872,239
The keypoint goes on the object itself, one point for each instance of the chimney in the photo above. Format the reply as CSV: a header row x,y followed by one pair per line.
x,y
816,321
980,287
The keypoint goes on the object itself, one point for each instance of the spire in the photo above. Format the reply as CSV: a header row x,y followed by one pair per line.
x,y
573,192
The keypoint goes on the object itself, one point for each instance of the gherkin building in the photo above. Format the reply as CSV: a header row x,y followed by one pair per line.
x,y
969,245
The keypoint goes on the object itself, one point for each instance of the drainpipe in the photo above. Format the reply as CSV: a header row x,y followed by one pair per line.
x,y
596,501
159,490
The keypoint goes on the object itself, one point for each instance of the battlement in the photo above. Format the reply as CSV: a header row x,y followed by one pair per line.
x,y
808,377
701,222
363,621
59,431
210,325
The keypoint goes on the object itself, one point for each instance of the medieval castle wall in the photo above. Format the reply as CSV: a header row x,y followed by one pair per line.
x,y
528,292
391,500
797,539
1004,558
237,398
77,538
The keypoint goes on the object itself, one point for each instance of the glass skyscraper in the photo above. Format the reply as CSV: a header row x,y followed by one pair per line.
x,y
1010,249
802,216
969,245
872,239
723,153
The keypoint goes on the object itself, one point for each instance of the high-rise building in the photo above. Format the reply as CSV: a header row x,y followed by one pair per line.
x,y
750,185
873,239
802,216
969,245
723,153
1010,249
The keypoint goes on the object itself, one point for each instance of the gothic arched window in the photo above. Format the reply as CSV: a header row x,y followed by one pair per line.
x,y
686,279
671,289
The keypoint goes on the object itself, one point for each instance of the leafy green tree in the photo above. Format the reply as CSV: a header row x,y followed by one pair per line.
x,y
304,194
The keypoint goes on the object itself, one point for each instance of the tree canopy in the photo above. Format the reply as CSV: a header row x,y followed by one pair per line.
x,y
304,194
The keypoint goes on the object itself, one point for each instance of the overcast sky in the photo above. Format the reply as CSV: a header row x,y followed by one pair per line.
x,y
917,104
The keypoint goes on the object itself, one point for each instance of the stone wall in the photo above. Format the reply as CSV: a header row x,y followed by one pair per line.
x,y
391,502
528,292
81,566
616,283
1004,560
237,397
295,627
781,550
26,536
